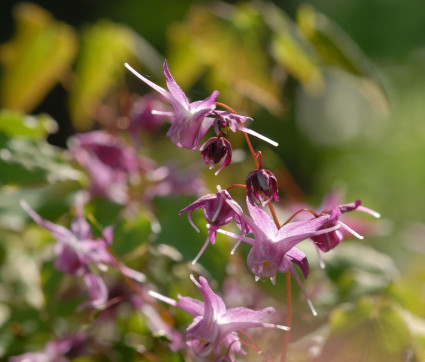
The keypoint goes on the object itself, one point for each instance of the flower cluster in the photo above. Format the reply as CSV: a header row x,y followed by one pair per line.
x,y
119,174
272,247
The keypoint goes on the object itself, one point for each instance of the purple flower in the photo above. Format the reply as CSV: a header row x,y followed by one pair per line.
x,y
98,292
143,116
76,249
59,350
190,121
111,164
170,180
214,150
217,212
273,250
260,182
328,241
214,327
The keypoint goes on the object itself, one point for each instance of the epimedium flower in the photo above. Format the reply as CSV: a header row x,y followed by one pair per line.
x,y
214,328
328,241
76,248
111,164
58,350
189,120
217,212
273,249
214,150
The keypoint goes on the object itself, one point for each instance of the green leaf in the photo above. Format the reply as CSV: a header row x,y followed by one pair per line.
x,y
51,201
229,45
29,162
336,48
37,57
14,123
357,270
105,48
291,50
370,330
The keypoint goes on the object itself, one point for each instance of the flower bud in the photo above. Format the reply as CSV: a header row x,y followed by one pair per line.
x,y
261,186
214,150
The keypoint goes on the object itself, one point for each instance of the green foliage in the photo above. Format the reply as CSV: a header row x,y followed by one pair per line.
x,y
39,55
370,330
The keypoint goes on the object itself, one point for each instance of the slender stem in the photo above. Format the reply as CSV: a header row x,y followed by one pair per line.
x,y
300,211
288,317
251,149
236,185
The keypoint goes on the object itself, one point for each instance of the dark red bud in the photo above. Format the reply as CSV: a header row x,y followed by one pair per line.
x,y
215,149
260,184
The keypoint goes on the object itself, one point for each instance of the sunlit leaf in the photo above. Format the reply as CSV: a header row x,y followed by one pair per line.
x,y
357,270
50,200
229,41
37,57
338,49
104,50
291,50
14,123
29,162
371,330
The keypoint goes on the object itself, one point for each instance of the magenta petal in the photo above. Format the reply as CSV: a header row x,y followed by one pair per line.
x,y
174,89
297,257
97,290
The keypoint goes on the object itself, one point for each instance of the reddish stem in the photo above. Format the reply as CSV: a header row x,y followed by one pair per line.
x,y
300,211
288,317
276,221
236,185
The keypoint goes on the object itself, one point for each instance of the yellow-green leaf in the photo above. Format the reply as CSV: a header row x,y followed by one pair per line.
x,y
37,57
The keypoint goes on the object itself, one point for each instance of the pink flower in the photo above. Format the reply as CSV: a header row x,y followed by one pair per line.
x,y
273,250
214,327
190,121
110,163
217,212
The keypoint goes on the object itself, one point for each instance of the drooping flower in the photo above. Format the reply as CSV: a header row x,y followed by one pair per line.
x,y
190,120
328,241
59,350
217,212
111,164
273,250
214,150
261,186
214,328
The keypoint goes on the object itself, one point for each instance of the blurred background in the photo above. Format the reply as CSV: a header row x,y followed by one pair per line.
x,y
339,84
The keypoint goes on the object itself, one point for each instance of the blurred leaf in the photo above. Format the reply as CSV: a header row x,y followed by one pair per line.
x,y
13,123
336,48
229,40
358,270
105,48
132,233
38,56
371,330
50,201
28,162
291,50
